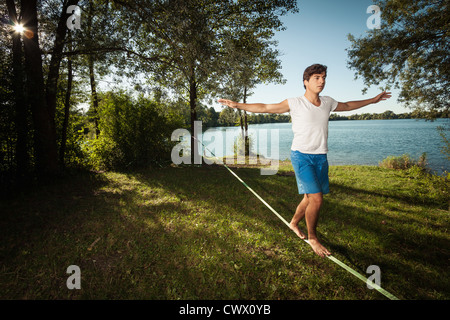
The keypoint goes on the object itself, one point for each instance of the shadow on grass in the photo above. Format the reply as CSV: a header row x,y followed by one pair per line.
x,y
410,246
132,238
197,233
411,249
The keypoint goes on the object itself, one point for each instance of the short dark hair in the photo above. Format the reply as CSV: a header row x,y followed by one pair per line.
x,y
313,69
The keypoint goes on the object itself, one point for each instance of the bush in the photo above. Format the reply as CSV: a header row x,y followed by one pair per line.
x,y
404,162
240,148
133,133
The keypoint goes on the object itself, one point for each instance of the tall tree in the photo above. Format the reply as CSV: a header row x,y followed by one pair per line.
x,y
21,107
91,59
102,42
253,60
187,40
410,52
41,94
56,57
68,94
45,135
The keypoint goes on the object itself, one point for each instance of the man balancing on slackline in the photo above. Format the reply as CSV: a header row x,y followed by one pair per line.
x,y
309,114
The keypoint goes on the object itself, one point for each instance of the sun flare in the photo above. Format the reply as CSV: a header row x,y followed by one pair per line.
x,y
19,28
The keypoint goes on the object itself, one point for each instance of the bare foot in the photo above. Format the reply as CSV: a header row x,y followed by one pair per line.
x,y
318,248
294,227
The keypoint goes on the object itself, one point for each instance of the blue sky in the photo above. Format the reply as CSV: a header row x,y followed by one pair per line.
x,y
318,34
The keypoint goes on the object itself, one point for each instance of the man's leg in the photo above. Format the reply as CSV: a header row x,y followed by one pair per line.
x,y
311,173
299,215
312,217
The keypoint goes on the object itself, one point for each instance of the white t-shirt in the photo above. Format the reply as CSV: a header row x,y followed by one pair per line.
x,y
310,124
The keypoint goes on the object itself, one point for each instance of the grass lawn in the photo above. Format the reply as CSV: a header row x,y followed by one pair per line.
x,y
198,233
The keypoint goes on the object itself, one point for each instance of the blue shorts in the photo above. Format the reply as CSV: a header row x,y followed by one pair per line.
x,y
311,172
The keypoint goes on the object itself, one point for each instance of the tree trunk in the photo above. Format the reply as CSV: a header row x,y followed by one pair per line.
x,y
91,59
93,94
21,115
195,159
44,124
53,73
55,61
66,111
247,142
241,123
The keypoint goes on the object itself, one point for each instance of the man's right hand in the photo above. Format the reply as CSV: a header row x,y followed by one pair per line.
x,y
228,103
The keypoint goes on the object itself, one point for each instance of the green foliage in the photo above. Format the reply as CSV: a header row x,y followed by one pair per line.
x,y
75,155
185,45
208,116
175,45
404,162
228,117
133,133
408,52
446,148
268,118
416,114
243,146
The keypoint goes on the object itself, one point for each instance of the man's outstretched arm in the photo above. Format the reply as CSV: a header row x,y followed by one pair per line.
x,y
352,105
281,107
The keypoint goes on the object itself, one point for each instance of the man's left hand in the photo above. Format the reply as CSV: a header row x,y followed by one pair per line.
x,y
382,96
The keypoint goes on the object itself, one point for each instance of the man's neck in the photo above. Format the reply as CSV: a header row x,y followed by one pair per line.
x,y
312,97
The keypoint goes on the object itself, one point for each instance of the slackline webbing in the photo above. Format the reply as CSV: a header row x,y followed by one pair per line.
x,y
331,257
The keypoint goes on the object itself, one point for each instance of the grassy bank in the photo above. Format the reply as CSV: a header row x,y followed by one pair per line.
x,y
197,233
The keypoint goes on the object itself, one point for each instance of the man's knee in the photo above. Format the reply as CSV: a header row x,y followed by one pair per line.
x,y
304,200
315,198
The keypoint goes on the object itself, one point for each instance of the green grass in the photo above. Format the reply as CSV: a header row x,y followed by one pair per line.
x,y
198,233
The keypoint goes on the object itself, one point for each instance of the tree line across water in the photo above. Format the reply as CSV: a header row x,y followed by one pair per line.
x,y
230,117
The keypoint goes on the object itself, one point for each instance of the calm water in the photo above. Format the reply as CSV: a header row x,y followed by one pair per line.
x,y
363,142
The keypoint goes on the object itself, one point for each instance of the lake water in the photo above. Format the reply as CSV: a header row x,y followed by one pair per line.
x,y
361,142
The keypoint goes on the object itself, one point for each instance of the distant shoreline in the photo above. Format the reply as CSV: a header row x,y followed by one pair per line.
x,y
285,118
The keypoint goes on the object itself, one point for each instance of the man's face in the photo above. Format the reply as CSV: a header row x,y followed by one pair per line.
x,y
316,82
